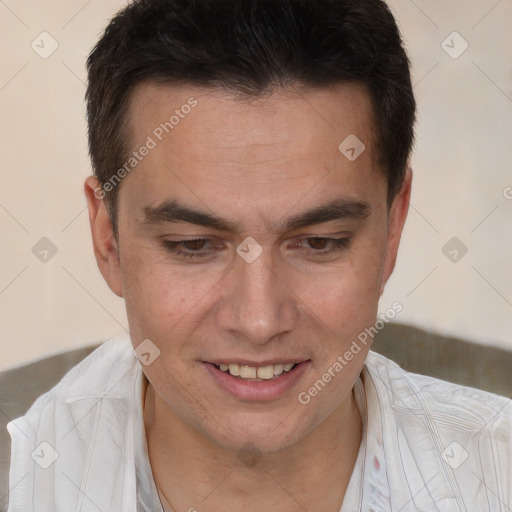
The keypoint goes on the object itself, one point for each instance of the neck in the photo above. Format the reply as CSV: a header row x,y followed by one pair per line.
x,y
193,473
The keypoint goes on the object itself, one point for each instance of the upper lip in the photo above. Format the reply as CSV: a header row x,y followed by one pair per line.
x,y
247,362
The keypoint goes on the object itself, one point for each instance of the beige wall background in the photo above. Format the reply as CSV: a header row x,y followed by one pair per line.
x,y
52,297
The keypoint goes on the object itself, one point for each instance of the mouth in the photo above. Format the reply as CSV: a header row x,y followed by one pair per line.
x,y
247,381
256,373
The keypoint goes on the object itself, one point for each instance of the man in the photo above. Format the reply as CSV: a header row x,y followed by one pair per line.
x,y
251,185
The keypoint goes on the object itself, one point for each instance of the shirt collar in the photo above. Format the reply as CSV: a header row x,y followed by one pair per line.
x,y
147,494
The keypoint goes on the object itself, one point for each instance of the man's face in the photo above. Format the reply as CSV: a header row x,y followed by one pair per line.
x,y
270,170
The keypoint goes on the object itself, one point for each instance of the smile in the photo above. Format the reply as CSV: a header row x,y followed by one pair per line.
x,y
248,380
255,373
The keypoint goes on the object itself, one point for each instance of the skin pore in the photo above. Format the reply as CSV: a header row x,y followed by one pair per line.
x,y
269,169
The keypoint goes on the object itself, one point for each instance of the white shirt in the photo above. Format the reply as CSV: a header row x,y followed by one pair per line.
x,y
427,445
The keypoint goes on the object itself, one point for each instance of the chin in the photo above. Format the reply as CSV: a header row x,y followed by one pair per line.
x,y
263,436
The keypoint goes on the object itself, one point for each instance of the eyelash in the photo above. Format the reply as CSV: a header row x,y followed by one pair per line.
x,y
174,247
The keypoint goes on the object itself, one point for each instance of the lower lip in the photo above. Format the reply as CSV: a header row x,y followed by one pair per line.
x,y
263,390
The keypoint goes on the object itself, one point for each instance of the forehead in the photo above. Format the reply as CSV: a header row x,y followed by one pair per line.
x,y
213,144
295,112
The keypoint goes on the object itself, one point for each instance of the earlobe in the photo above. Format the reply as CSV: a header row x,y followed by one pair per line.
x,y
397,217
105,245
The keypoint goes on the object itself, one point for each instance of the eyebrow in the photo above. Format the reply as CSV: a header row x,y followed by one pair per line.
x,y
337,209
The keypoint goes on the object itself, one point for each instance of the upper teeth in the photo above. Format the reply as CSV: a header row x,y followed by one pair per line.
x,y
253,372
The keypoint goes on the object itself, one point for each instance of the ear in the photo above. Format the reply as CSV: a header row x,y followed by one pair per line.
x,y
105,245
396,221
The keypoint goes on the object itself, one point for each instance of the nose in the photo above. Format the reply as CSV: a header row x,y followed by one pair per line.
x,y
257,305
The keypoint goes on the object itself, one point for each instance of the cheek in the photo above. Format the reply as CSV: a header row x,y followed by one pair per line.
x,y
344,295
162,300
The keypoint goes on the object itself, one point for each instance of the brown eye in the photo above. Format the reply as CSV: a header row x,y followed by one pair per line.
x,y
320,246
317,243
194,245
197,249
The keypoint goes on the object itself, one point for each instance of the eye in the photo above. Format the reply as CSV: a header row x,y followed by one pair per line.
x,y
191,249
320,245
203,248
